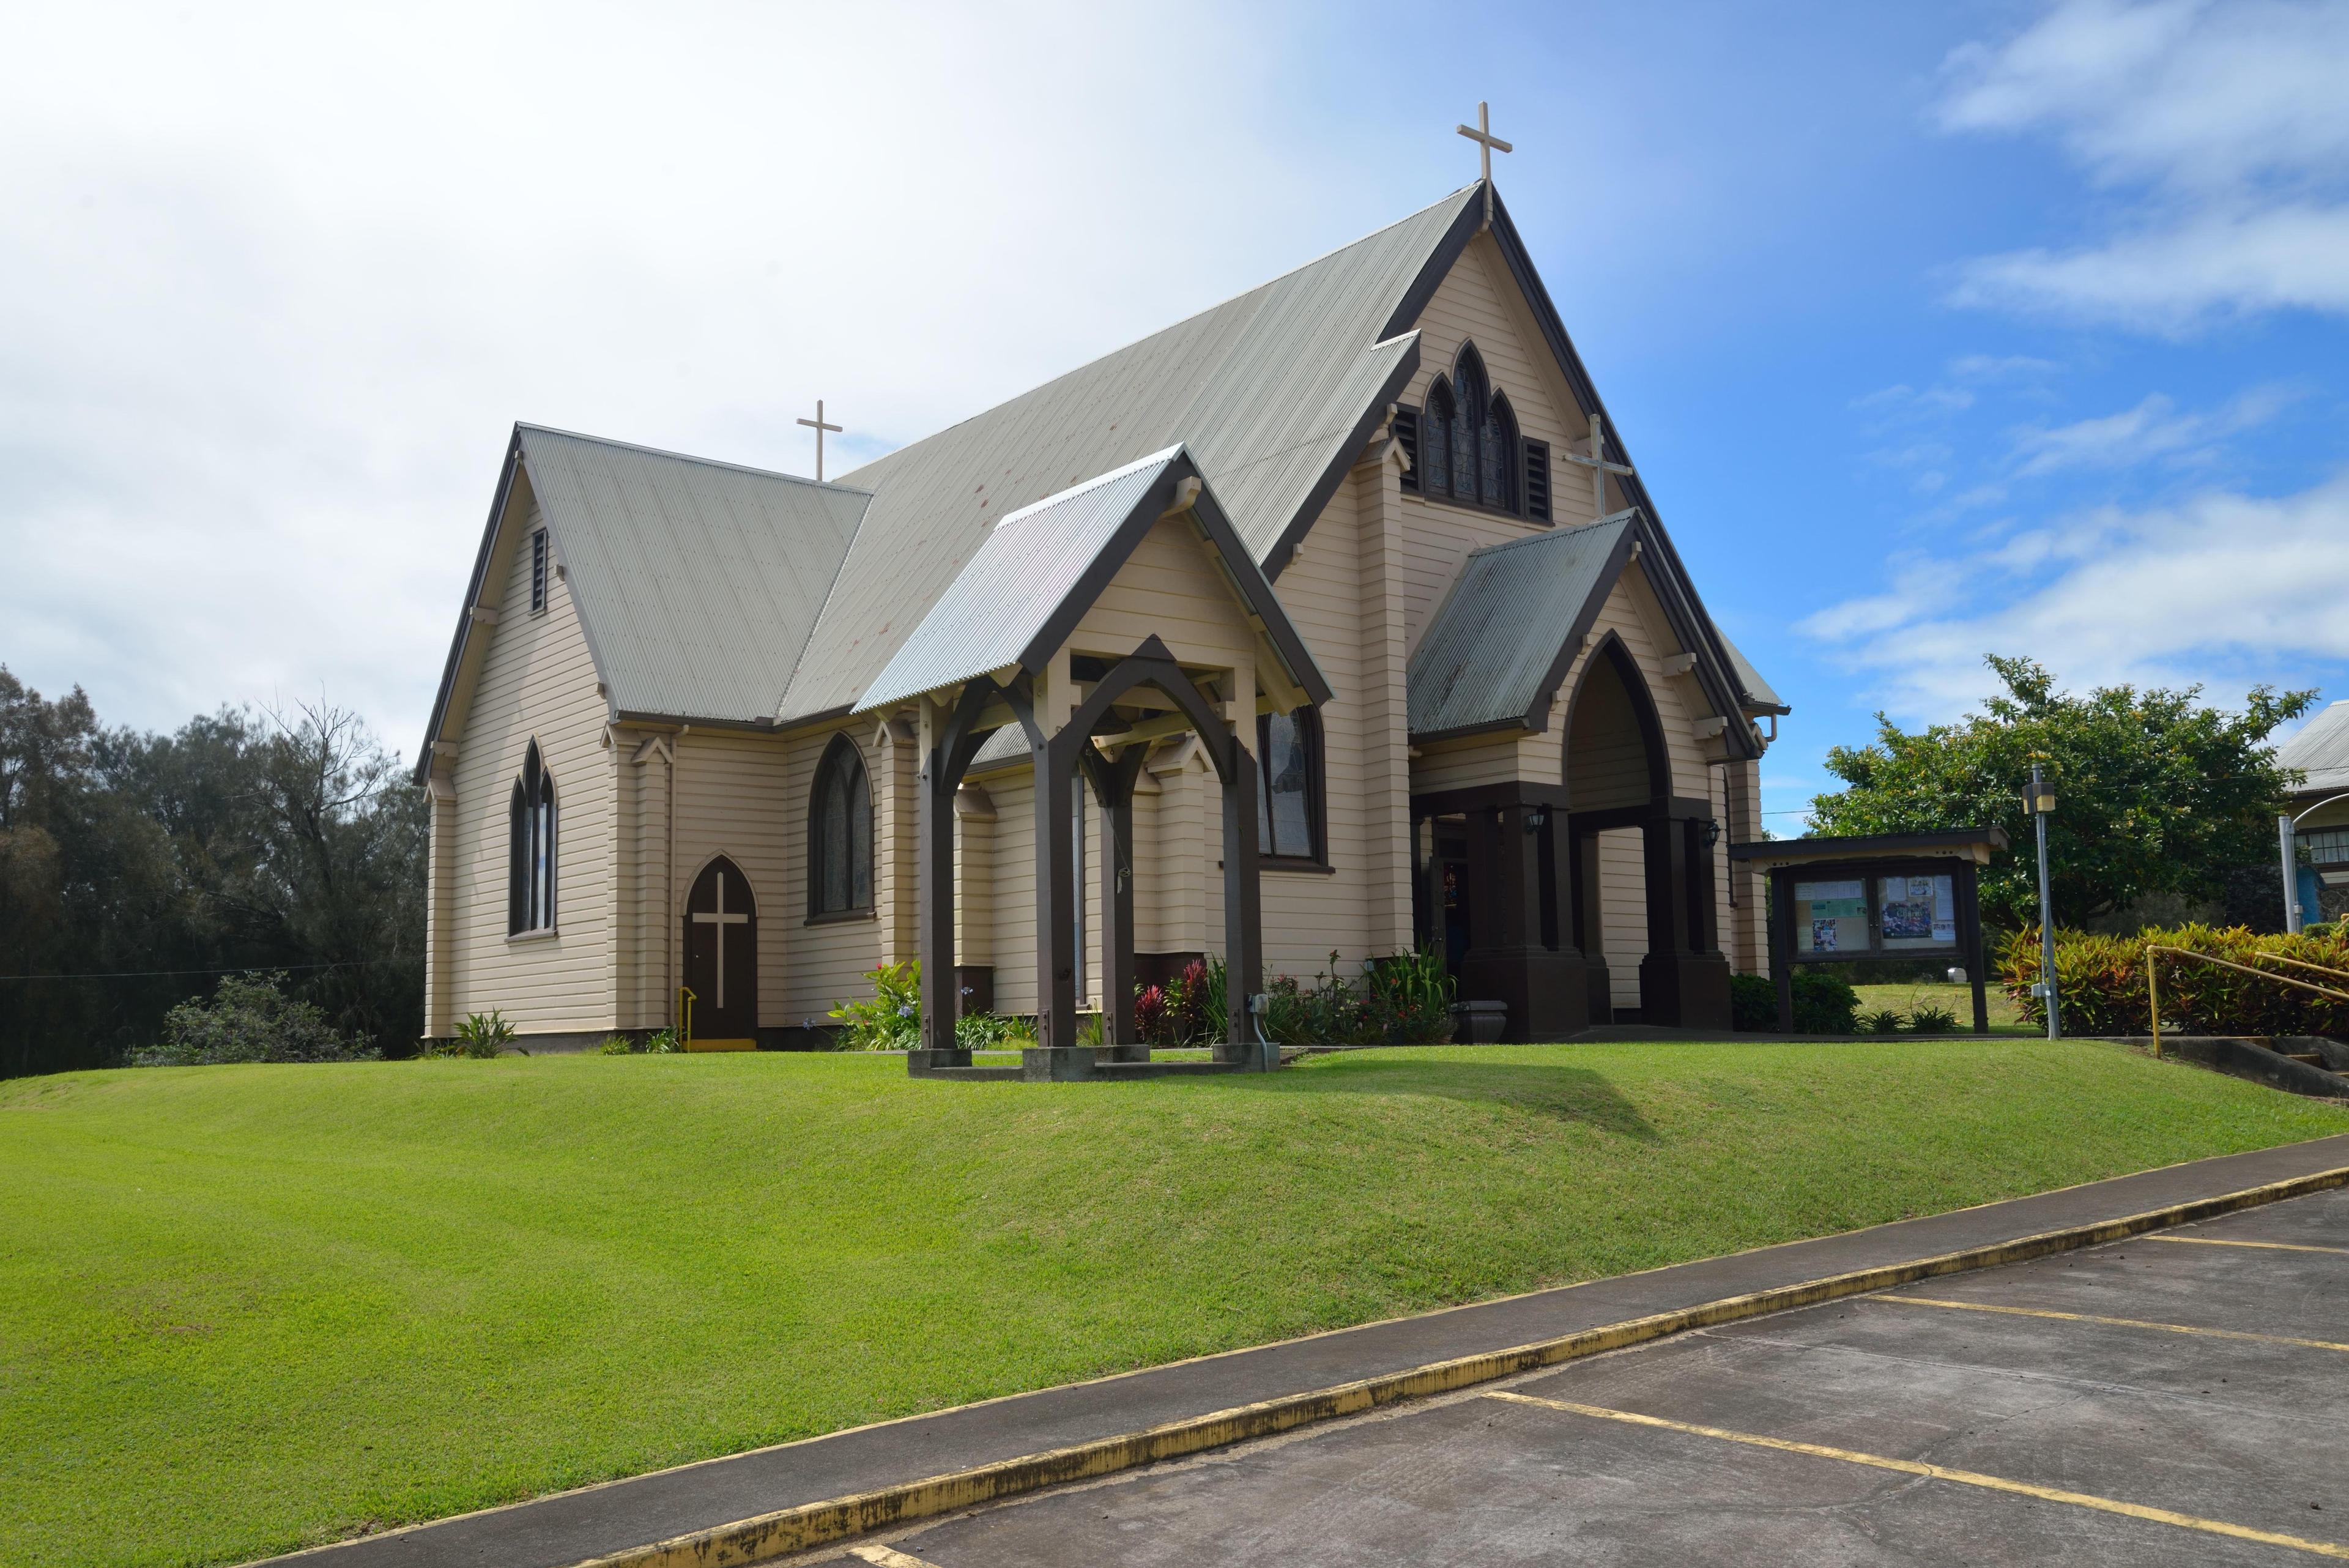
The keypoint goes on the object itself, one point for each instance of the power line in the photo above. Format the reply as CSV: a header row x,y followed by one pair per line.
x,y
240,969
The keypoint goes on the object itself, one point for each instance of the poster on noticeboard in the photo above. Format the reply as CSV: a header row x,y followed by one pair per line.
x,y
1918,911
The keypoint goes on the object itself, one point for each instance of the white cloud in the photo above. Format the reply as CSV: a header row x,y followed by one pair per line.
x,y
2223,587
279,276
2169,278
2229,123
2151,431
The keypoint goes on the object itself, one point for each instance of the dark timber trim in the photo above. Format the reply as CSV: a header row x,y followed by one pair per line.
x,y
1690,622
1284,548
1246,579
473,586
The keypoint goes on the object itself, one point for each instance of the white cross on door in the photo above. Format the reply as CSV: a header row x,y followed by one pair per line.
x,y
721,919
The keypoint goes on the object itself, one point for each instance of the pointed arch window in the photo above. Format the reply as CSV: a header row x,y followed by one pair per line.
x,y
1469,386
529,848
840,834
1496,466
1435,439
1289,770
1466,446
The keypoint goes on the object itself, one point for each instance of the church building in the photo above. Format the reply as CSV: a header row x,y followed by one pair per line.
x,y
1336,617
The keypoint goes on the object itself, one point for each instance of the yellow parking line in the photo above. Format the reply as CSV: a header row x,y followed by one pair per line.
x,y
1940,1472
2268,1246
884,1557
2112,1322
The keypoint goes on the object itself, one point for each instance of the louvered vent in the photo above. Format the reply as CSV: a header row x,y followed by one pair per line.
x,y
1406,431
1537,480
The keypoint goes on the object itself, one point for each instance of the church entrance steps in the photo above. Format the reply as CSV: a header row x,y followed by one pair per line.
x,y
751,1507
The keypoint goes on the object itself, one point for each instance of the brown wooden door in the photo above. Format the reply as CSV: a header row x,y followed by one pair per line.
x,y
721,954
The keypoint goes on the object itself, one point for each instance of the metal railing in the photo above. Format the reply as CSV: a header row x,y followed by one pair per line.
x,y
2153,989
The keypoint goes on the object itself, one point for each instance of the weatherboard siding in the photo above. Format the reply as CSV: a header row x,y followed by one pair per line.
x,y
1310,913
1479,302
536,680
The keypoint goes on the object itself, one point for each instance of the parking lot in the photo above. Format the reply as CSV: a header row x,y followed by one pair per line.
x,y
2182,1396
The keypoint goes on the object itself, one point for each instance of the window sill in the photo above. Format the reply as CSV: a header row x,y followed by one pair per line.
x,y
841,917
1478,506
1295,865
545,934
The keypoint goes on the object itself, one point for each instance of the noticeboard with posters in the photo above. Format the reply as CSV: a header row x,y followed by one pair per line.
x,y
1849,914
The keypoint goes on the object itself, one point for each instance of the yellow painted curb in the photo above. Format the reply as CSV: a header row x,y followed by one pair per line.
x,y
813,1525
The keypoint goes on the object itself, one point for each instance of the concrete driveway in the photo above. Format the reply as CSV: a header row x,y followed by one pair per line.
x,y
2179,1397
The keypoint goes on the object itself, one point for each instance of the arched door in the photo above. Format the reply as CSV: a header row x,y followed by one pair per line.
x,y
721,958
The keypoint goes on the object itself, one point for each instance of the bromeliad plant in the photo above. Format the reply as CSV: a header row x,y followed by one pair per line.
x,y
892,1020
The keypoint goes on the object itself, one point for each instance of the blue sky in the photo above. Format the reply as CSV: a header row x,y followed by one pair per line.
x,y
1936,331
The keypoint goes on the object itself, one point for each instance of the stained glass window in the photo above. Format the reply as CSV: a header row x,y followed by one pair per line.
x,y
1435,439
529,848
842,858
1288,758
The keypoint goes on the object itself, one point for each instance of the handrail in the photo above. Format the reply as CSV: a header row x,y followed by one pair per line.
x,y
2303,963
2153,993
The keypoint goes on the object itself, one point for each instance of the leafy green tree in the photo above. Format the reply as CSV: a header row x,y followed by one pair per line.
x,y
2156,793
136,868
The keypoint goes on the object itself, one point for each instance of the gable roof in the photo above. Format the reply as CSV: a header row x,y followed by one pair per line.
x,y
695,583
2319,749
1039,570
1496,648
1274,393
700,582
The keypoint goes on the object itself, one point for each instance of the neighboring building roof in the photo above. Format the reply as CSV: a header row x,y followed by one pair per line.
x,y
2321,749
1273,393
1495,649
698,582
1038,570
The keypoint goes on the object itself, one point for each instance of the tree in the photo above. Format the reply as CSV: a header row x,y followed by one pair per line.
x,y
137,869
2156,793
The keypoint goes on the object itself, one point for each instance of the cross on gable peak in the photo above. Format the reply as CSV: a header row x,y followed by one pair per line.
x,y
1486,145
817,425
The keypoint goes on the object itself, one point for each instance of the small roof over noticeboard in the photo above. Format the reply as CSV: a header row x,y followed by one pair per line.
x,y
1974,844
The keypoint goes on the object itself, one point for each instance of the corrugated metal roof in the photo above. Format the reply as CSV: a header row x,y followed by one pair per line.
x,y
2320,748
1264,391
1757,690
1025,569
698,582
1493,644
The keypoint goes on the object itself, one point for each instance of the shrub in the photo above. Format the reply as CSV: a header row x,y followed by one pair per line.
x,y
991,1032
480,1036
1403,1000
1882,1021
1193,1013
892,1020
1410,997
1930,1018
2100,981
1753,1003
1824,1003
1149,1011
248,1018
661,1043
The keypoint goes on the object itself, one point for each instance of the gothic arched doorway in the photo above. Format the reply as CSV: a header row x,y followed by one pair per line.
x,y
721,958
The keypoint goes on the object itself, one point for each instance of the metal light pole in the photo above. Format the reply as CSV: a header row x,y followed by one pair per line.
x,y
2291,876
2042,805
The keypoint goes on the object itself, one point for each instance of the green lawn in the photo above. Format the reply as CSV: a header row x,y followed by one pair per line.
x,y
246,1308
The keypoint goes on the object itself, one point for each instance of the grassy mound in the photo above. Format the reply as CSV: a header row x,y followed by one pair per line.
x,y
246,1308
